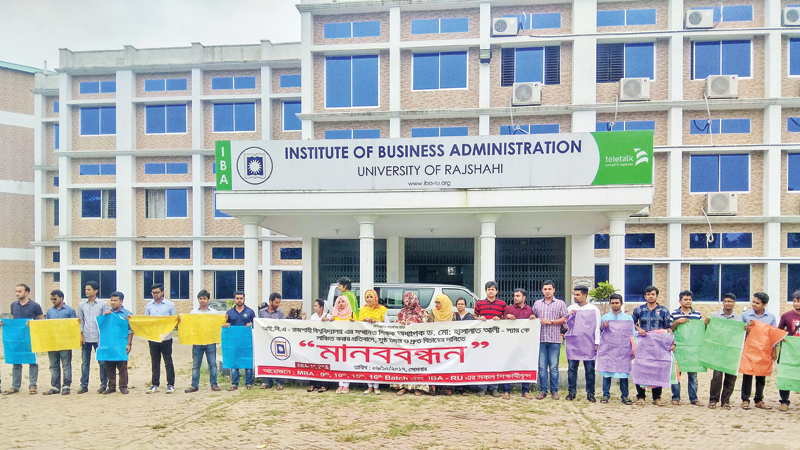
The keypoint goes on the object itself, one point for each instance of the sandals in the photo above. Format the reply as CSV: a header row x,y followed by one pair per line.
x,y
604,400
726,406
32,391
627,401
640,402
377,391
368,391
311,389
745,405
674,402
339,390
401,391
322,389
659,402
713,406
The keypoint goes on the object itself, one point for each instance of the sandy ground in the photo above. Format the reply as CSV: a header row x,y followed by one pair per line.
x,y
292,418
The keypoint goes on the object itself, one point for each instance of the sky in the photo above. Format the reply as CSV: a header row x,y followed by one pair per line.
x,y
32,31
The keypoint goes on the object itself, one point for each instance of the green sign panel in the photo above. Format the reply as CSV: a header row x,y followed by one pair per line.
x,y
223,163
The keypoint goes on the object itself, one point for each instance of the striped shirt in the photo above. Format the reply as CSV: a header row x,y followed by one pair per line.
x,y
554,310
490,310
678,314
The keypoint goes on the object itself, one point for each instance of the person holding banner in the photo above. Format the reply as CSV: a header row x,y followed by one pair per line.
x,y
790,322
580,294
115,301
88,310
410,314
319,315
723,382
345,286
342,313
553,313
60,361
160,306
375,312
680,316
490,308
759,313
24,308
518,310
209,350
461,310
615,302
272,311
651,317
240,316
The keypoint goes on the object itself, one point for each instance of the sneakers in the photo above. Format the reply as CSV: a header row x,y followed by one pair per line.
x,y
83,390
102,390
123,390
109,391
51,391
65,391
783,408
495,393
481,393
570,397
152,390
591,398
170,389
606,399
191,389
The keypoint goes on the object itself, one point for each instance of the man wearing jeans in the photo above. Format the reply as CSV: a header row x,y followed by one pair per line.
x,y
518,310
209,350
650,317
581,296
24,308
490,308
161,307
272,311
88,310
680,316
553,313
60,360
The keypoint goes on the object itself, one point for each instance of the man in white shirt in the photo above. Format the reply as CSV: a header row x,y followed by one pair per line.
x,y
209,350
581,296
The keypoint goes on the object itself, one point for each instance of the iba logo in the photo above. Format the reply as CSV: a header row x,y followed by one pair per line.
x,y
280,348
254,165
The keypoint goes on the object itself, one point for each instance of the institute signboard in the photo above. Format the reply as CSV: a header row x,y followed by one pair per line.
x,y
466,162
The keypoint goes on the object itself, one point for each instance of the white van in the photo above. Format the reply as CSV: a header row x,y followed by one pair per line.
x,y
391,295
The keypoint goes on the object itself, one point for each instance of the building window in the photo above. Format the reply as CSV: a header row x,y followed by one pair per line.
x,y
539,64
226,282
97,87
290,81
98,253
179,285
234,117
56,135
721,240
721,58
107,279
640,240
793,240
292,284
218,213
441,131
218,83
166,168
617,61
548,128
160,119
622,17
352,29
720,173
152,277
541,21
55,212
601,241
56,257
55,107
55,181
227,252
630,125
168,84
99,204
353,134
793,279
637,277
351,81
180,253
290,120
166,203
709,282
97,121
291,253
794,172
434,26
153,253
794,57
720,126
732,13
98,169
446,70
600,274
56,277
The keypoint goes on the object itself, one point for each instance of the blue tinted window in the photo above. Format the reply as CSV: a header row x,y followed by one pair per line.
x,y
290,120
222,252
89,169
176,118
529,65
792,124
737,13
601,241
222,83
637,277
177,84
455,25
735,278
244,82
337,30
179,285
704,173
640,240
734,171
736,58
640,17
426,71
424,26
545,20
90,121
351,81
338,134
244,116
56,135
453,70
225,283
703,127
155,168
454,131
154,85
108,86
90,253
706,59
793,240
55,107
176,203
290,81
55,181
794,172
792,282
611,18
155,119
89,87
223,117
600,274
292,284
367,29
180,252
737,240
424,132
177,168
108,120
794,56
647,125
338,81
165,119
291,253
366,134
108,169
238,253
108,253
731,126
704,282
701,240
544,128
153,253
365,80
56,256
639,61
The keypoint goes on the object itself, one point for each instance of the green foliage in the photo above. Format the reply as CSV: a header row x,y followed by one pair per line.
x,y
603,291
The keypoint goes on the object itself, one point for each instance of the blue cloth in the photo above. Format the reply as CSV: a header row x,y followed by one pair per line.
x,y
526,387
749,315
210,352
66,312
237,348
17,342
113,338
548,365
248,376
657,319
607,317
676,388
240,319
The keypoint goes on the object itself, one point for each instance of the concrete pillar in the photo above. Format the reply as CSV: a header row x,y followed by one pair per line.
x,y
487,256
307,74
366,236
616,251
584,52
582,261
251,233
126,194
395,259
674,231
310,279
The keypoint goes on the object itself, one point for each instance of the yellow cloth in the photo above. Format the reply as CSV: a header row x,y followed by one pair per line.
x,y
377,314
52,335
152,328
200,329
339,319
446,313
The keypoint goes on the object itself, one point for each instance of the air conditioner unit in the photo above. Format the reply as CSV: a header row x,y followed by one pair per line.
x,y
721,204
645,212
527,94
722,86
505,26
634,89
791,16
699,18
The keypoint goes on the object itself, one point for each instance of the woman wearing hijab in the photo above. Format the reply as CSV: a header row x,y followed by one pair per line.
x,y
342,312
442,312
372,312
411,313
320,315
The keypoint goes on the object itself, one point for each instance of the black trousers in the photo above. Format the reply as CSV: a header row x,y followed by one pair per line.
x,y
722,382
747,387
157,350
111,368
640,392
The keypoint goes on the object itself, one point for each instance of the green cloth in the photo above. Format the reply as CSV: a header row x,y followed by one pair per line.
x,y
353,302
688,344
723,345
789,365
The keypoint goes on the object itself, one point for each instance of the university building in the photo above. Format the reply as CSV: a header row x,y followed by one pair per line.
x,y
124,152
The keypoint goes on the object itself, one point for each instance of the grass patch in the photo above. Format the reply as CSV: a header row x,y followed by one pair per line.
x,y
424,445
737,426
158,426
352,436
396,429
306,427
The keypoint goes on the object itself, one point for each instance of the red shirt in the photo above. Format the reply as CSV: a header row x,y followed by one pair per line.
x,y
790,321
490,310
520,313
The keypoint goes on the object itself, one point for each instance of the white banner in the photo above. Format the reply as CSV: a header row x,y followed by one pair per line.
x,y
451,353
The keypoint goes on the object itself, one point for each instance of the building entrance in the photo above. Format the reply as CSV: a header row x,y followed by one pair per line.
x,y
440,260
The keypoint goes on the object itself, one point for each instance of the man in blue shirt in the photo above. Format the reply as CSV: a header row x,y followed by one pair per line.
x,y
759,313
680,316
24,308
650,317
161,307
115,301
240,316
615,302
60,360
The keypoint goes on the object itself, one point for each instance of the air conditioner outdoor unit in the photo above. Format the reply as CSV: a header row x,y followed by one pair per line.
x,y
634,89
722,86
699,18
527,94
645,212
791,16
505,26
721,204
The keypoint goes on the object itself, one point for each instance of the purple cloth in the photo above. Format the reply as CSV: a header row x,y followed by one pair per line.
x,y
580,336
653,361
614,353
